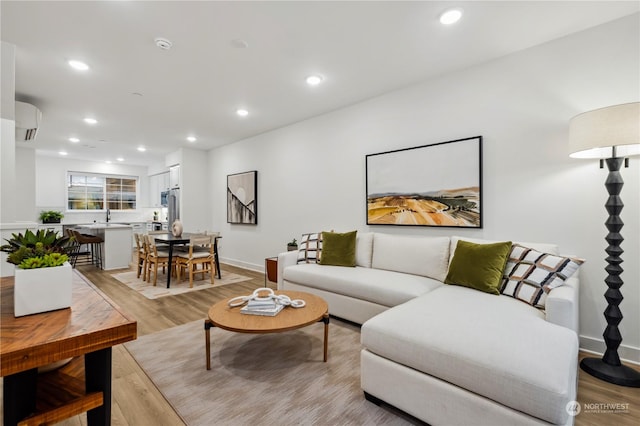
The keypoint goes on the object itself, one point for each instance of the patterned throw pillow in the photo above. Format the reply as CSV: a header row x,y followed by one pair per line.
x,y
530,275
310,248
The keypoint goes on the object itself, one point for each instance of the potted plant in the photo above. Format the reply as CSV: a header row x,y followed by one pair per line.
x,y
43,273
51,216
292,245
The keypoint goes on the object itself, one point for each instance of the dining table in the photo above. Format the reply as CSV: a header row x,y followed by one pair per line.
x,y
173,240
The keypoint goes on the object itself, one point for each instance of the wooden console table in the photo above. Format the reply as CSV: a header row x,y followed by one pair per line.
x,y
87,330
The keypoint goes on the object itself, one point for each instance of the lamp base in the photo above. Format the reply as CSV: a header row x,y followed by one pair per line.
x,y
616,374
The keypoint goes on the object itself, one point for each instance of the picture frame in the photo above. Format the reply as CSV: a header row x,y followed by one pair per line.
x,y
242,198
430,185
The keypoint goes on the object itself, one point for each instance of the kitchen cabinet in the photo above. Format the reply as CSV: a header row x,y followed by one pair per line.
x,y
138,228
174,177
157,184
116,250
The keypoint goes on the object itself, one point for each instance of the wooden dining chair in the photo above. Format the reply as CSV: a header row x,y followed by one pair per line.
x,y
141,256
200,253
155,259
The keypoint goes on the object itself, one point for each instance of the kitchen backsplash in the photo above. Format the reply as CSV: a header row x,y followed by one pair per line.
x,y
140,215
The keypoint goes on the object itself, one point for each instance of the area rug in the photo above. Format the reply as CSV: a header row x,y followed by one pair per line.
x,y
150,291
262,379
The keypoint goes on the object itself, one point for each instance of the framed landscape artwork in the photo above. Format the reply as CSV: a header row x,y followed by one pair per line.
x,y
429,185
242,198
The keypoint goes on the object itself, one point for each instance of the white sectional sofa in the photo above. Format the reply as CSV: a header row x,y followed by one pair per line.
x,y
443,353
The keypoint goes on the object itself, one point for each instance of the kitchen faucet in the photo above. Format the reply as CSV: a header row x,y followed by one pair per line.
x,y
108,215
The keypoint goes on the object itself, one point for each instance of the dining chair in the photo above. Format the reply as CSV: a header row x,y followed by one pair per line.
x,y
200,253
156,258
141,256
76,250
93,244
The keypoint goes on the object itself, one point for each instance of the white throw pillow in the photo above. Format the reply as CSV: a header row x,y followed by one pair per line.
x,y
364,249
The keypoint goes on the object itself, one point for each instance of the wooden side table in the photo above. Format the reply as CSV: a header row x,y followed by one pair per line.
x,y
87,331
270,269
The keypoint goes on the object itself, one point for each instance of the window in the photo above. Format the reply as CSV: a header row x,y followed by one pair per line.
x,y
101,192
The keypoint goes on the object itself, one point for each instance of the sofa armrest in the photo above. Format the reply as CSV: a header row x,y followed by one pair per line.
x,y
288,258
562,305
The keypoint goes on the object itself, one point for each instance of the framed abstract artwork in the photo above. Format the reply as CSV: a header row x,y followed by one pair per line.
x,y
242,198
430,185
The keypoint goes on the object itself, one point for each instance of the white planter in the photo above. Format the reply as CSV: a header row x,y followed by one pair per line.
x,y
42,289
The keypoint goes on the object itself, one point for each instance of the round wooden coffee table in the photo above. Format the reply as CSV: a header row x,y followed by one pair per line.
x,y
223,316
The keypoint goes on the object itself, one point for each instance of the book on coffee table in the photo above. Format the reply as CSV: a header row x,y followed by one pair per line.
x,y
262,310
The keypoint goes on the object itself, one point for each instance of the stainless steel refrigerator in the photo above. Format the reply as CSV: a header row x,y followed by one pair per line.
x,y
173,205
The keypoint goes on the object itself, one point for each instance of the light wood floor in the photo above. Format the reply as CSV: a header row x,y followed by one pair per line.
x,y
137,402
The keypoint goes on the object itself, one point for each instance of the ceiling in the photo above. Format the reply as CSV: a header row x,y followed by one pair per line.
x,y
252,55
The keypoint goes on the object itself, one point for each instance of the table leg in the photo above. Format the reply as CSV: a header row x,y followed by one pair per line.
x,y
97,370
325,319
207,341
19,395
215,257
170,263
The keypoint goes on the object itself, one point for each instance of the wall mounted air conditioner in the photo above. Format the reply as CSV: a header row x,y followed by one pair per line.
x,y
28,119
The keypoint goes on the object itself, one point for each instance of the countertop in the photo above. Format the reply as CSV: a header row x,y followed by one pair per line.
x,y
106,226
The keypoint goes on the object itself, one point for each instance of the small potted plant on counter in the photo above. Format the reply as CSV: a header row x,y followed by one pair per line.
x,y
43,273
51,216
292,245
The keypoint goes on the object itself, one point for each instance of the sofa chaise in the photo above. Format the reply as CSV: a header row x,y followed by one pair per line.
x,y
451,354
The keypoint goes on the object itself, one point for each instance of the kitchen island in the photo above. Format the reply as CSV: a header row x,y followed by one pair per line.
x,y
116,252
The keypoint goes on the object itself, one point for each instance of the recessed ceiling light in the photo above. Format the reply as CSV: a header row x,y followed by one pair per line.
x,y
62,152
314,80
74,140
450,16
142,149
120,159
108,161
89,120
242,112
163,43
191,138
78,65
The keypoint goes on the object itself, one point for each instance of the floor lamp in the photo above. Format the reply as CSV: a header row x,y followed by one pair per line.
x,y
611,134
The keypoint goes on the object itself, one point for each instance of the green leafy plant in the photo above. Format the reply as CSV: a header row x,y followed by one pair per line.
x,y
42,249
293,243
51,216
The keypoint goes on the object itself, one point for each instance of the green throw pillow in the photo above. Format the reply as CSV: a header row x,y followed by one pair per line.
x,y
479,266
338,249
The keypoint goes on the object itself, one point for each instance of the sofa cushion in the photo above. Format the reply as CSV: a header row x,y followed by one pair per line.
x,y
547,248
479,266
531,274
373,285
310,248
364,249
425,256
493,346
338,249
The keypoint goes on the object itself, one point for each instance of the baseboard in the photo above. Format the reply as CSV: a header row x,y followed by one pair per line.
x,y
628,354
241,264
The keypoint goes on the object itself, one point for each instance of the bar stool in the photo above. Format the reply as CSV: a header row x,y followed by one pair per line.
x,y
95,244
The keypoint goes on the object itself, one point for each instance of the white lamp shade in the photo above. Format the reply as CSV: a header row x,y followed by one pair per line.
x,y
593,134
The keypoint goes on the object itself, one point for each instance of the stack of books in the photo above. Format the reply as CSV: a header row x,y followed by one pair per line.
x,y
262,307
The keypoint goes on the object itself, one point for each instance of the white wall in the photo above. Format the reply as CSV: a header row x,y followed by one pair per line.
x,y
7,132
51,184
24,195
194,190
311,175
